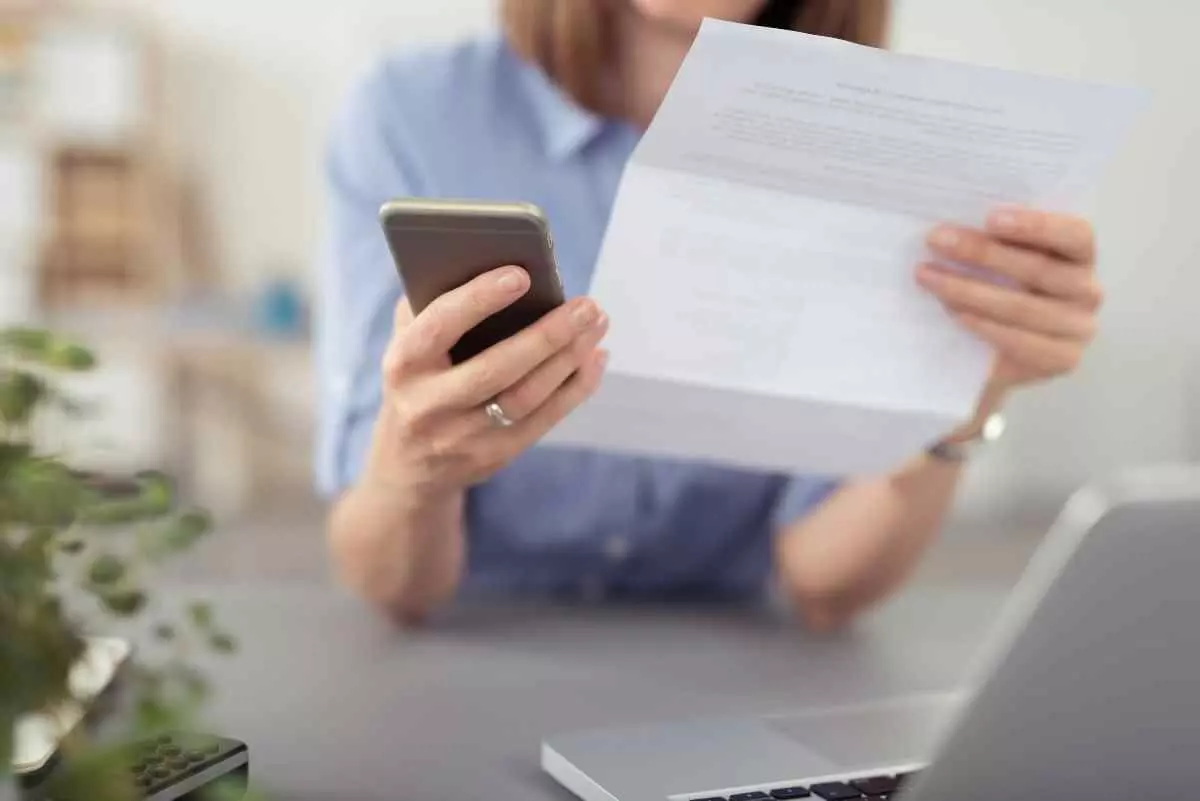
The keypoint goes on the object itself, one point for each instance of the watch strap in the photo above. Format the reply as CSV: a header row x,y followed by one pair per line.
x,y
958,451
947,451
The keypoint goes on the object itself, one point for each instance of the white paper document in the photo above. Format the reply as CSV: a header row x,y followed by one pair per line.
x,y
758,265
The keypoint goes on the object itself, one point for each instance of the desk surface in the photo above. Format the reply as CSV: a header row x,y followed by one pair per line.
x,y
338,705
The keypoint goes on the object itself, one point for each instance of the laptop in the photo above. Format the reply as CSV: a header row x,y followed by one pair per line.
x,y
1088,688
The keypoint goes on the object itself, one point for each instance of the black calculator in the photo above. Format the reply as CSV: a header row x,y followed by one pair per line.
x,y
173,766
184,766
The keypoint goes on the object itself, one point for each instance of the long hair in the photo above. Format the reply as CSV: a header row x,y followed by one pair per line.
x,y
571,39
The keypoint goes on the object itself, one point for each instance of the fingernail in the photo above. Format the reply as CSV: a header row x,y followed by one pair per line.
x,y
944,237
584,314
512,280
602,320
926,273
602,359
1003,220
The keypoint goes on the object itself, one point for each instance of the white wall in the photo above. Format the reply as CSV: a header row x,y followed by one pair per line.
x,y
252,83
1138,397
250,86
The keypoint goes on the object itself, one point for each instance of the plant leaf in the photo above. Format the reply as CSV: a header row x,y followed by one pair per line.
x,y
44,509
230,788
43,536
43,347
42,492
180,533
12,454
37,650
25,571
8,723
70,356
90,772
123,603
29,343
222,643
19,395
38,541
191,526
154,498
201,615
157,492
34,556
106,570
153,713
107,513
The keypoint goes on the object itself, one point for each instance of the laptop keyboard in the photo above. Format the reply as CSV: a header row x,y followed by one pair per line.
x,y
876,788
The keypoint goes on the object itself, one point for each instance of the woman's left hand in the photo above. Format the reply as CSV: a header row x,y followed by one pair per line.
x,y
1040,321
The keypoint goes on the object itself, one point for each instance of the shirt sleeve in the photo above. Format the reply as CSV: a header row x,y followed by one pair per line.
x,y
800,496
367,162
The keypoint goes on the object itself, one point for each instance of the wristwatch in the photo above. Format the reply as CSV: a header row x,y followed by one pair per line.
x,y
960,450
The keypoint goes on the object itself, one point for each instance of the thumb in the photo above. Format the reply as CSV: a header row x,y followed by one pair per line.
x,y
402,316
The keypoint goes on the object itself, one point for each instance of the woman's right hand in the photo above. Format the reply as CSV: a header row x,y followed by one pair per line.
x,y
434,436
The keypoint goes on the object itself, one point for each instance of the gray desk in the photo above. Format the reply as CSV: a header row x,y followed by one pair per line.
x,y
337,705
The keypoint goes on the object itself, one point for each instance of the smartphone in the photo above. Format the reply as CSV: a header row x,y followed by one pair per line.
x,y
439,245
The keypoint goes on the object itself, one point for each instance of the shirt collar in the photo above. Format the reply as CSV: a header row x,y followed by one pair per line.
x,y
566,126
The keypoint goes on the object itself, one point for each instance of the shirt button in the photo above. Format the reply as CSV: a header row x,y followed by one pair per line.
x,y
617,549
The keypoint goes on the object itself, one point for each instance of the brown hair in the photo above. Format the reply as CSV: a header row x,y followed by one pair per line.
x,y
570,39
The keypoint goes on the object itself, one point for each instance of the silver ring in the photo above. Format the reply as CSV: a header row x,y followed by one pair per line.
x,y
497,415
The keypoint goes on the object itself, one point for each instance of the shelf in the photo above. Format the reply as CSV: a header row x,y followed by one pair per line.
x,y
88,111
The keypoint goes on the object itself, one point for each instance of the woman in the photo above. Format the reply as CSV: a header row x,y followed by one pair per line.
x,y
430,499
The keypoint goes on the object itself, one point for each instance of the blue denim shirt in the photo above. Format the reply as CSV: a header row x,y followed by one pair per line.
x,y
474,121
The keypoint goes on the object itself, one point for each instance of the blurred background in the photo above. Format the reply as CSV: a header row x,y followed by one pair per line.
x,y
160,194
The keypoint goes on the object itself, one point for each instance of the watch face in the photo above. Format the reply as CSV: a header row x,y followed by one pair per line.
x,y
993,428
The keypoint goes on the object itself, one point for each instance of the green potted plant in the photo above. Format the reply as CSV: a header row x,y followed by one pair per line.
x,y
77,553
